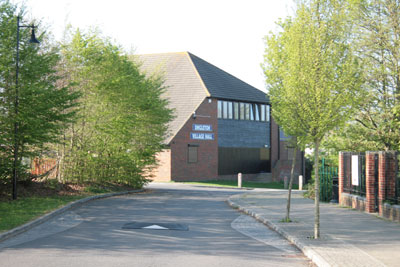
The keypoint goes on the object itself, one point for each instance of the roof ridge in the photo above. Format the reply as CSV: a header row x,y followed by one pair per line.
x,y
197,73
164,53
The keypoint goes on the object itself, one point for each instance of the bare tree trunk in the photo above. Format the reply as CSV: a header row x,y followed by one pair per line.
x,y
316,219
287,219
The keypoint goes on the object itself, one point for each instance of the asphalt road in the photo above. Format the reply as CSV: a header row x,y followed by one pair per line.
x,y
212,234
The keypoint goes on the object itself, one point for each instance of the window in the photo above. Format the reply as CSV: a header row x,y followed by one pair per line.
x,y
247,111
236,110
225,110
230,110
268,113
242,111
192,153
257,112
251,112
262,112
219,109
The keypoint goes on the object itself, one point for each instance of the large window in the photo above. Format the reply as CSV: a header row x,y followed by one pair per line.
x,y
243,111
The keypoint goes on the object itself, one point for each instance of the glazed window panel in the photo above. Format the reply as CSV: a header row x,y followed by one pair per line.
x,y
257,112
236,110
268,113
230,110
262,112
242,111
247,111
219,109
251,112
225,110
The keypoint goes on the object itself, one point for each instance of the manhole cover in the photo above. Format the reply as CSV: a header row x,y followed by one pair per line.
x,y
156,226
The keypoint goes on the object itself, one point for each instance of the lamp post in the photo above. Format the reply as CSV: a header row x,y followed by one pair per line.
x,y
15,165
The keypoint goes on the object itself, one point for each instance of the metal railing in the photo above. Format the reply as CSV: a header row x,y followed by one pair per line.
x,y
326,175
348,184
392,179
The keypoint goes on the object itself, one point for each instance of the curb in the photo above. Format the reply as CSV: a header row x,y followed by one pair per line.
x,y
307,251
25,227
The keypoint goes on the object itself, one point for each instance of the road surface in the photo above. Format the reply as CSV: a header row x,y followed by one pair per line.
x,y
176,225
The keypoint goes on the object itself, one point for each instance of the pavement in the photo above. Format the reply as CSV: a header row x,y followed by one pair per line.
x,y
348,237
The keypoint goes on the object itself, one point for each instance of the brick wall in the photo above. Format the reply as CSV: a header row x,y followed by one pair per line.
x,y
383,189
206,167
162,172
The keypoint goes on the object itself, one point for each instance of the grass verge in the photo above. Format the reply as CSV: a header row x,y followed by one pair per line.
x,y
246,184
25,209
38,198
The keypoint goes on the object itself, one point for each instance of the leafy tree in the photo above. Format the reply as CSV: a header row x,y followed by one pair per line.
x,y
377,124
312,74
43,107
122,117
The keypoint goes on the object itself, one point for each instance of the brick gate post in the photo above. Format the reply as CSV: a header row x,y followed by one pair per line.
x,y
341,175
382,181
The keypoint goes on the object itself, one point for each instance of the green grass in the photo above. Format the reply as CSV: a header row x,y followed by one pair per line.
x,y
222,183
22,210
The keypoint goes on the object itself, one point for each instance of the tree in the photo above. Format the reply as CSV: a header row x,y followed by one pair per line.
x,y
377,124
42,108
312,75
122,117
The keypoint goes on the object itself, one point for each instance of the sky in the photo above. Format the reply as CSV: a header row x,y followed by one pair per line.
x,y
226,33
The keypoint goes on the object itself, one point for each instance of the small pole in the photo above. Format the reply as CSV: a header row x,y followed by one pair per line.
x,y
239,180
300,182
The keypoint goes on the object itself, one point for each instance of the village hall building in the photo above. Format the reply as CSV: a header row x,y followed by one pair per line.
x,y
222,125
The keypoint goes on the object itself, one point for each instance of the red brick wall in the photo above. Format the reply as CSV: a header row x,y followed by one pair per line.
x,y
206,167
370,181
162,173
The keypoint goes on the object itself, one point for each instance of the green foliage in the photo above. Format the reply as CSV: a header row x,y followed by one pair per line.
x,y
313,75
43,106
311,72
377,124
122,117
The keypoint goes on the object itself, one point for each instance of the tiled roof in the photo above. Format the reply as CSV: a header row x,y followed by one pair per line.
x,y
223,85
189,80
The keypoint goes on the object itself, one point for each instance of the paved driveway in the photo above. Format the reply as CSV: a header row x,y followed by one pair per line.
x,y
213,234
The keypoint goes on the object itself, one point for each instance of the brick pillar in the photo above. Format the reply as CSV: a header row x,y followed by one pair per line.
x,y
391,174
382,181
341,175
370,181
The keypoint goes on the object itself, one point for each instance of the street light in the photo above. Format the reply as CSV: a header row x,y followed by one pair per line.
x,y
15,167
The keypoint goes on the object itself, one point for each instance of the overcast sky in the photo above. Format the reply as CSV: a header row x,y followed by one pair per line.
x,y
226,33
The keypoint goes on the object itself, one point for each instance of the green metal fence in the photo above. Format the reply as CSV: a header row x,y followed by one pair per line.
x,y
326,175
